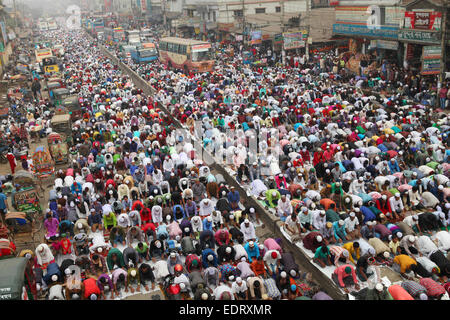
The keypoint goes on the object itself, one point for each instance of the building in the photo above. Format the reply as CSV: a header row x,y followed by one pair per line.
x,y
395,30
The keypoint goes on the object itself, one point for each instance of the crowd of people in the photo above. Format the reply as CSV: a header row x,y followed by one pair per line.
x,y
359,181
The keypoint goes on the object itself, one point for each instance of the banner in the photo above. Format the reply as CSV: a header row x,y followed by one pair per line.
x,y
384,44
420,36
431,60
5,37
423,20
278,38
294,40
239,37
201,47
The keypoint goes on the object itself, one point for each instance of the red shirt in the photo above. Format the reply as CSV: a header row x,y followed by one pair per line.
x,y
90,287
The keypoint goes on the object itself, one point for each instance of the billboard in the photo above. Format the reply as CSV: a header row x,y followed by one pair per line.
x,y
431,60
295,39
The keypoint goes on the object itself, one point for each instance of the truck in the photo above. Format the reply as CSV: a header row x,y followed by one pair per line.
x,y
144,54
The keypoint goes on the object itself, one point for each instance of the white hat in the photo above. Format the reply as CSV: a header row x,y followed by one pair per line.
x,y
228,250
210,257
182,286
100,250
423,296
441,187
379,286
209,218
386,254
347,200
357,210
352,214
172,254
246,221
411,238
133,273
204,296
186,229
238,279
293,273
415,217
67,271
231,216
283,274
231,278
168,217
399,234
79,225
341,222
319,238
251,243
360,178
397,194
252,210
441,215
93,296
447,205
54,277
274,194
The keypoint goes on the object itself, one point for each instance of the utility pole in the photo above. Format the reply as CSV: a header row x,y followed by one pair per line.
x,y
443,45
308,28
15,15
243,24
283,29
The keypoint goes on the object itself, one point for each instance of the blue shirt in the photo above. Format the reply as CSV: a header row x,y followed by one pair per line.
x,y
3,200
233,197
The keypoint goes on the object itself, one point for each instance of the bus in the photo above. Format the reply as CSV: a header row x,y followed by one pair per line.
x,y
186,54
41,54
43,26
52,25
114,35
144,53
133,38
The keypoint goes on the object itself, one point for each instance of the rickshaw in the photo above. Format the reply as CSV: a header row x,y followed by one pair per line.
x,y
72,104
59,95
26,195
43,165
52,86
23,228
58,147
17,281
61,123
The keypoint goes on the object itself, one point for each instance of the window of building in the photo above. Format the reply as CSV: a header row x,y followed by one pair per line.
x,y
238,13
260,10
214,16
277,9
209,15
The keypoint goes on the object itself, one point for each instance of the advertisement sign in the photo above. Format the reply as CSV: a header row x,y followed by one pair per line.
x,y
294,40
278,38
239,37
201,47
390,32
420,36
423,20
431,52
256,37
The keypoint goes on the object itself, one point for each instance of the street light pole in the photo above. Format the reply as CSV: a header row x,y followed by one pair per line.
x,y
443,45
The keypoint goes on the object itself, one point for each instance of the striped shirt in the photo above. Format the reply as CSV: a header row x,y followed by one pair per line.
x,y
414,288
338,252
434,289
271,288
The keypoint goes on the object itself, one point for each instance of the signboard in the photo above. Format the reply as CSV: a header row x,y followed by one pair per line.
x,y
431,66
239,37
389,32
419,36
431,52
278,38
225,26
423,20
384,44
294,40
3,28
201,47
